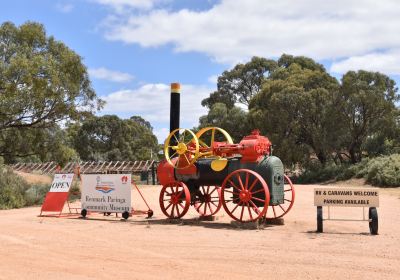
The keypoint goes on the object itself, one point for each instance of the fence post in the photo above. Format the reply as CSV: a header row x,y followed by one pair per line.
x,y
153,173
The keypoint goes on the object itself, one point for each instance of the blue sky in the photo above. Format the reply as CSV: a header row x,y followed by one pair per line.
x,y
135,48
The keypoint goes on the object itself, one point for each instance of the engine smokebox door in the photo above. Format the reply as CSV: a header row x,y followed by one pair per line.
x,y
274,176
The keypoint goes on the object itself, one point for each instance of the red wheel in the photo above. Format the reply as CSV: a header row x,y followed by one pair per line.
x,y
280,210
174,200
209,201
246,190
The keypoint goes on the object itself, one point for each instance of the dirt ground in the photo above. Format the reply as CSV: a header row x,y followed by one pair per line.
x,y
33,247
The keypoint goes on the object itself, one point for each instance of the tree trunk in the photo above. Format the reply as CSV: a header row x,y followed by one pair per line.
x,y
353,155
321,157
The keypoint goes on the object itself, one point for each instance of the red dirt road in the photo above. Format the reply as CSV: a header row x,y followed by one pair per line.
x,y
34,247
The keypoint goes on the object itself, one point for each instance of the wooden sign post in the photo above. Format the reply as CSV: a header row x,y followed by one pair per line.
x,y
347,197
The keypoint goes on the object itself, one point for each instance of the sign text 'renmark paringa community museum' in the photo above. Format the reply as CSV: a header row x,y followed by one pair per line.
x,y
106,192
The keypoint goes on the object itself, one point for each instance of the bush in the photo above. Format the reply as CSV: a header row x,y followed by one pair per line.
x,y
74,191
35,194
383,171
12,189
380,171
318,173
15,192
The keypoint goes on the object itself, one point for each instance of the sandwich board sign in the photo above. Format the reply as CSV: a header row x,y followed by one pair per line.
x,y
108,193
347,197
58,193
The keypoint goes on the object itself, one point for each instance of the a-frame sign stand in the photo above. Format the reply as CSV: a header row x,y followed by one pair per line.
x,y
57,196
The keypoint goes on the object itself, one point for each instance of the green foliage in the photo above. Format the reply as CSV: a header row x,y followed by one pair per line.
x,y
232,120
379,144
241,83
35,194
12,189
36,144
15,192
238,85
381,171
296,108
74,191
42,80
367,109
306,112
318,173
142,122
109,138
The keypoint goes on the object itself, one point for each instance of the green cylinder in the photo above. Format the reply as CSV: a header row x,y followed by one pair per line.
x,y
271,169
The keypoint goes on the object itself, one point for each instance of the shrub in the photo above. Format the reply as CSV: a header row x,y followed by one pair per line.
x,y
15,192
74,191
12,189
35,194
319,173
383,171
380,171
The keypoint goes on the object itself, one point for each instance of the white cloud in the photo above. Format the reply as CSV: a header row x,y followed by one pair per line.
x,y
387,62
64,7
213,79
233,31
152,102
161,134
110,75
123,5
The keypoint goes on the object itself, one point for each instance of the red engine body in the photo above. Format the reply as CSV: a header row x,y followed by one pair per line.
x,y
252,148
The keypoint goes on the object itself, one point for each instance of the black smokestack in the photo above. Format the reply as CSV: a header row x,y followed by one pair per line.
x,y
174,111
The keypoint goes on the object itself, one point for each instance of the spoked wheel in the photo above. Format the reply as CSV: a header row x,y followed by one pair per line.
x,y
245,195
174,200
208,202
280,210
208,136
183,144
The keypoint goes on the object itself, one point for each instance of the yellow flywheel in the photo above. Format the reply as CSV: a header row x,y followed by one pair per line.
x,y
207,136
183,145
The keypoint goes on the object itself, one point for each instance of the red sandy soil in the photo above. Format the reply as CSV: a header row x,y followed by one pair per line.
x,y
33,247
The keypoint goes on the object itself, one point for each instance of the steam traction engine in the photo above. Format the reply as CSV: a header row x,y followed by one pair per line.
x,y
207,170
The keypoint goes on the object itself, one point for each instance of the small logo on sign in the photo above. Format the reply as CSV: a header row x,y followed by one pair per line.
x,y
124,179
63,176
104,189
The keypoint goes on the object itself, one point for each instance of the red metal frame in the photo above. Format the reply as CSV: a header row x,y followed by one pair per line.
x,y
149,212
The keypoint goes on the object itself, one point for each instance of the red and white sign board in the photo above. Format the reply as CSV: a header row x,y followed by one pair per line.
x,y
58,193
106,192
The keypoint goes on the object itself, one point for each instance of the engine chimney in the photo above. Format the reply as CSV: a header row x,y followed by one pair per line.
x,y
174,111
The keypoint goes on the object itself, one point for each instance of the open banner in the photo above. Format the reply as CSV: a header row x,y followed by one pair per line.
x,y
58,194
